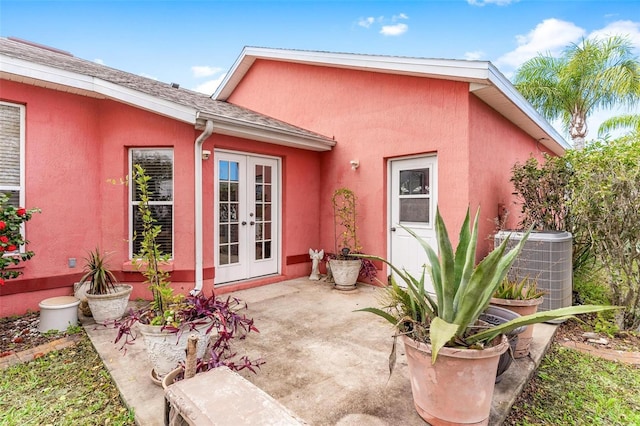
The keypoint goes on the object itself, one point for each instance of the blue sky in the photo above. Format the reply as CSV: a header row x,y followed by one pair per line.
x,y
194,43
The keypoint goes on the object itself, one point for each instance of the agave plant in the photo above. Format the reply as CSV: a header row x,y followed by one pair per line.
x,y
462,292
525,289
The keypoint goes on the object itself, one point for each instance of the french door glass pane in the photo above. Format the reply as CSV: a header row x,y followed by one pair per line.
x,y
228,207
224,234
224,254
263,182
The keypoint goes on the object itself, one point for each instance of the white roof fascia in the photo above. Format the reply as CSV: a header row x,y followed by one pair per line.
x,y
468,71
83,82
509,90
227,126
479,74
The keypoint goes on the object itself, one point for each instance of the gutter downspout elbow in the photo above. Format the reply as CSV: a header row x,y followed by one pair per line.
x,y
208,130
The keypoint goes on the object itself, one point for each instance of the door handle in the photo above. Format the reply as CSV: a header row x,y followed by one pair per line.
x,y
244,222
252,223
393,229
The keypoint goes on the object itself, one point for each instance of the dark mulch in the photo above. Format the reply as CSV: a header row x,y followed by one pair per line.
x,y
18,333
574,330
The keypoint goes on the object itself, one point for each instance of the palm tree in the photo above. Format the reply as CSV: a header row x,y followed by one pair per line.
x,y
628,121
597,73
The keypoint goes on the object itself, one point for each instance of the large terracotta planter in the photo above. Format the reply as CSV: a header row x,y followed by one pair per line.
x,y
522,307
458,388
166,350
345,273
111,306
496,315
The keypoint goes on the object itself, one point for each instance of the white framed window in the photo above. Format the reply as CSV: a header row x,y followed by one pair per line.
x,y
158,165
12,141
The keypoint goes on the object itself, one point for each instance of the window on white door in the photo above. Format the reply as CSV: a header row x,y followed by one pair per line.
x,y
158,165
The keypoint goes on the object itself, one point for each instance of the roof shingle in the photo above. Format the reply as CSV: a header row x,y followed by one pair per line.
x,y
203,103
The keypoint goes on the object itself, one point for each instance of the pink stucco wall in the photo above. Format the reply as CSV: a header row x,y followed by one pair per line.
x,y
376,117
495,146
76,146
373,117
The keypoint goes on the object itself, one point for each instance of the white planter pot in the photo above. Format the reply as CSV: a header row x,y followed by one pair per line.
x,y
166,350
345,273
58,313
111,306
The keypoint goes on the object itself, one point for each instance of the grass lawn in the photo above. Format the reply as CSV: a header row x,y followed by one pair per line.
x,y
572,388
68,387
73,387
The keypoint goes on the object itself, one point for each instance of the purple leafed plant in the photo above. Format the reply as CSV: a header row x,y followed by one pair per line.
x,y
223,315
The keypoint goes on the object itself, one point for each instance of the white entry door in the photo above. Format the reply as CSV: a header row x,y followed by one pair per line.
x,y
413,193
246,216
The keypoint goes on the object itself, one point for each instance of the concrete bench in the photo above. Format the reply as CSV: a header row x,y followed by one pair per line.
x,y
222,397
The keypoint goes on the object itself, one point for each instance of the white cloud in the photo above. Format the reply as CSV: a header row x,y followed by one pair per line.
x,y
627,28
366,22
394,30
98,61
496,2
474,56
550,36
210,86
204,71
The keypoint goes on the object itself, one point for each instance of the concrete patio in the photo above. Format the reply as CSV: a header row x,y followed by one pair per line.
x,y
324,362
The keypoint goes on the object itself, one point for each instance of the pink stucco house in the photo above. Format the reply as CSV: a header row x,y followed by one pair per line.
x,y
244,177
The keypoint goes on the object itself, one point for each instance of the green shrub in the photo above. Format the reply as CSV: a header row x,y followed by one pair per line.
x,y
604,203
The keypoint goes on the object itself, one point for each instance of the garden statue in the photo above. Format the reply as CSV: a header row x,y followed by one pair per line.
x,y
316,256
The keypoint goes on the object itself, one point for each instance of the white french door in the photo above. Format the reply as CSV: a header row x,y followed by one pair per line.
x,y
413,201
246,216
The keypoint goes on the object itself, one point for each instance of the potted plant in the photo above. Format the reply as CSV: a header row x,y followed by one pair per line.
x,y
170,318
345,268
452,357
521,297
106,298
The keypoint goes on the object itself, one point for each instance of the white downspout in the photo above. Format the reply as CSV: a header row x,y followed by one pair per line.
x,y
208,130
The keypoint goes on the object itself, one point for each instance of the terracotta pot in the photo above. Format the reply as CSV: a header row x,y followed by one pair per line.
x,y
345,273
522,307
111,306
166,350
458,388
168,379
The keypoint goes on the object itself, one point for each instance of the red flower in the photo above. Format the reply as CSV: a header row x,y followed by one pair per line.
x,y
21,211
2,225
11,248
1,281
4,239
